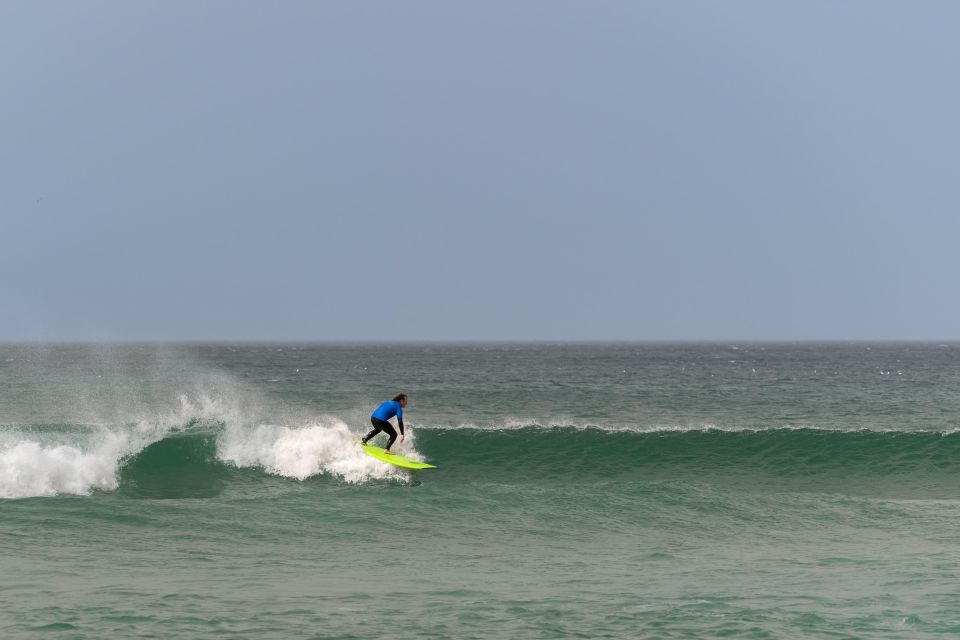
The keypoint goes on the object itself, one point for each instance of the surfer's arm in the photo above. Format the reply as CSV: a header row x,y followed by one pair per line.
x,y
400,424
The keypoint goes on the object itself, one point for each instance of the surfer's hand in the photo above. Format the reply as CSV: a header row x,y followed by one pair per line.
x,y
401,438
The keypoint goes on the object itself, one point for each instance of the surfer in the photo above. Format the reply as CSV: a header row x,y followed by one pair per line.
x,y
383,413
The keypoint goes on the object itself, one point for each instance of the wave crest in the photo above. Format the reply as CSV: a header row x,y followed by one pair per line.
x,y
303,452
31,468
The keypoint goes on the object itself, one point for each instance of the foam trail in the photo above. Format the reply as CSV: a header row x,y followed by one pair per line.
x,y
38,464
29,468
306,451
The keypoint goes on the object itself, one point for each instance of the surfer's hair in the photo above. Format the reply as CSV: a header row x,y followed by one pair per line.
x,y
400,396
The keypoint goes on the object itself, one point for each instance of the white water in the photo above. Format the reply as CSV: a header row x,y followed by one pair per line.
x,y
29,468
87,458
300,452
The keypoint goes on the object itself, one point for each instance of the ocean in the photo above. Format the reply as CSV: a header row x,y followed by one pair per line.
x,y
582,491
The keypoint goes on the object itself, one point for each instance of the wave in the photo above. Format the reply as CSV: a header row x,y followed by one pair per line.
x,y
202,457
194,458
327,446
783,451
32,468
887,464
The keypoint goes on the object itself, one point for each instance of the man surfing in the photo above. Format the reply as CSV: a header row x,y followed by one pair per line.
x,y
380,417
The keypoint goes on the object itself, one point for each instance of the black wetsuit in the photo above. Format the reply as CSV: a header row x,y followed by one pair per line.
x,y
380,418
382,425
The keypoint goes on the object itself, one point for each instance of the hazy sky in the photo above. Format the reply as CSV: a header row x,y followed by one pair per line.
x,y
324,170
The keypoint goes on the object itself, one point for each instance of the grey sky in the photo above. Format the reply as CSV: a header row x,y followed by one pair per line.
x,y
479,170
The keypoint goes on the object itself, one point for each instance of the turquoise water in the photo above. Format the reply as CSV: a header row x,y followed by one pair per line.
x,y
655,491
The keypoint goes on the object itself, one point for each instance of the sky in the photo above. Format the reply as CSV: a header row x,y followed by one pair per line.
x,y
502,170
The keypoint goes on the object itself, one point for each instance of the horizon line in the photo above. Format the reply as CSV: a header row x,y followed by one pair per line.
x,y
487,341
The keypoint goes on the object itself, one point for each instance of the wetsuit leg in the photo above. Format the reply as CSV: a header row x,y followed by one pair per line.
x,y
376,429
390,431
378,426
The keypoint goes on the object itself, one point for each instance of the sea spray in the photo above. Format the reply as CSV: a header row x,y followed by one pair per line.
x,y
30,468
301,452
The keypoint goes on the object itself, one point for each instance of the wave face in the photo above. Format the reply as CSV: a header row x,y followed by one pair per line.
x,y
197,460
80,420
815,457
203,461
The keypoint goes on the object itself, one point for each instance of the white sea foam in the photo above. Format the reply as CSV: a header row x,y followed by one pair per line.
x,y
120,402
31,468
88,457
327,446
513,424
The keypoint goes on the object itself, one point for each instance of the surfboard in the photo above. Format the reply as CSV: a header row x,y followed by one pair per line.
x,y
395,459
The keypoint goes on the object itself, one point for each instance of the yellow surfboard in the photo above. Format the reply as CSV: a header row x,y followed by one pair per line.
x,y
395,459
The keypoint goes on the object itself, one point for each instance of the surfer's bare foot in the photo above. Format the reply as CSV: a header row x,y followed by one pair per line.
x,y
389,453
